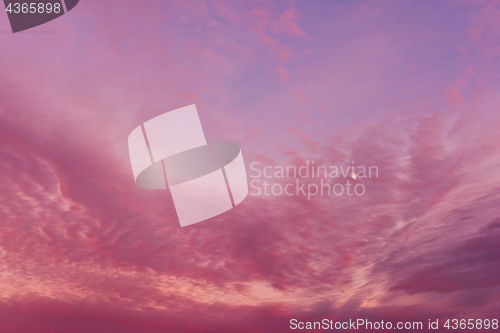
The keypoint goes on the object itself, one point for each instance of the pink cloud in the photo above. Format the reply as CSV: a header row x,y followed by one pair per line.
x,y
286,24
83,249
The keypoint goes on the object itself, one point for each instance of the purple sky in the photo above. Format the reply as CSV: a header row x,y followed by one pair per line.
x,y
411,87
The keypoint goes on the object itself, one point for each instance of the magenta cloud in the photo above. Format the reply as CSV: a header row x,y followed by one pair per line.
x,y
409,87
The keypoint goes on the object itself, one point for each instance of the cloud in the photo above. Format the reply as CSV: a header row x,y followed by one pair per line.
x,y
83,249
286,24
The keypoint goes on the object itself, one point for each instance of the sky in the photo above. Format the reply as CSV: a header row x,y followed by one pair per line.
x,y
410,87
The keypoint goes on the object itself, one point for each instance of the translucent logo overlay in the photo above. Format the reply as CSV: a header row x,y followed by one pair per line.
x,y
205,179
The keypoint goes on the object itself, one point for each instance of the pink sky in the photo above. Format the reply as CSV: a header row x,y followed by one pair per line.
x,y
411,87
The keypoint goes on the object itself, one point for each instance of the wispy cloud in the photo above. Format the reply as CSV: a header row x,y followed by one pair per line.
x,y
82,248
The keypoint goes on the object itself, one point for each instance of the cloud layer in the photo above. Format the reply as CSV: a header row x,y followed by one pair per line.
x,y
408,87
